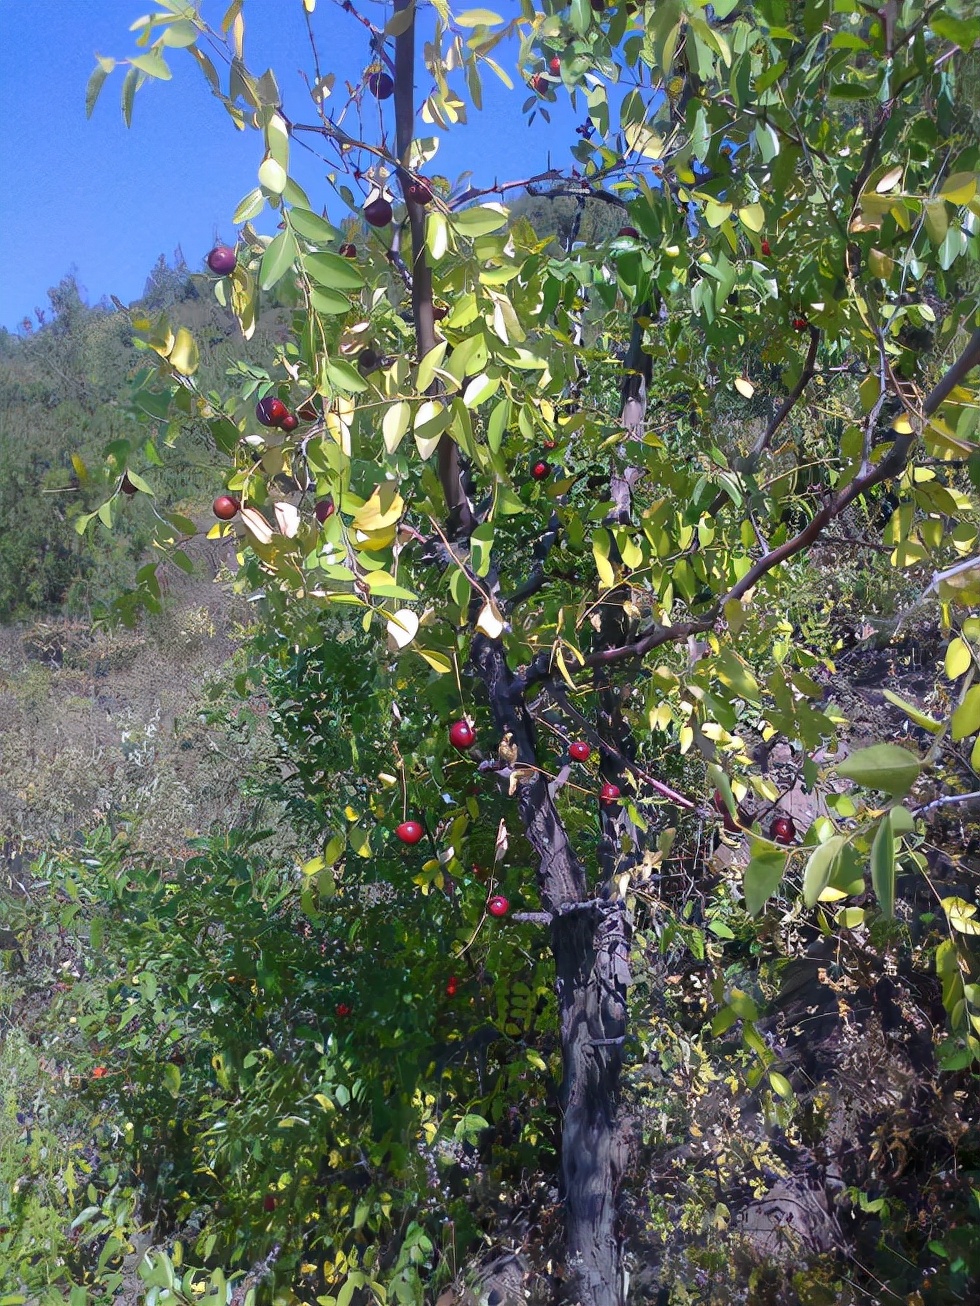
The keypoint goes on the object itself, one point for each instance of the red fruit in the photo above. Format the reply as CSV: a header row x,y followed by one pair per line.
x,y
268,1202
783,830
348,250
765,248
418,192
367,360
609,793
378,212
381,85
343,1010
225,507
323,508
554,66
800,324
451,986
222,260
127,486
308,411
628,231
462,735
498,905
409,831
439,311
271,411
579,751
539,84
289,422
541,471
99,1072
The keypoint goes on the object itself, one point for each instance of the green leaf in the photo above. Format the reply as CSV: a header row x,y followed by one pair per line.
x,y
312,227
333,271
250,207
329,301
820,868
130,83
272,176
153,65
478,18
762,877
966,718
480,220
95,84
883,866
481,542
581,16
887,767
912,712
277,260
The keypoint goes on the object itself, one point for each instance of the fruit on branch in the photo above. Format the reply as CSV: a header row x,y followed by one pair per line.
x,y
409,831
268,1202
127,486
783,830
539,84
323,508
609,793
439,311
579,751
628,231
541,471
347,250
765,248
554,66
225,507
343,1010
418,191
289,422
377,212
452,984
222,260
308,411
271,411
498,905
800,324
730,823
462,735
368,360
381,85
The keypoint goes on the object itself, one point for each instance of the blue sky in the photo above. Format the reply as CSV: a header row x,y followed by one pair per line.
x,y
106,201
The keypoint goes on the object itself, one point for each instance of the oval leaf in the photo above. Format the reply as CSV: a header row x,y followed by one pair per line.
x,y
887,767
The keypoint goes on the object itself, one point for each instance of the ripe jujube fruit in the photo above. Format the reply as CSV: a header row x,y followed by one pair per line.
x,y
783,830
721,807
765,248
609,793
579,751
381,85
628,231
289,422
323,508
418,192
222,260
541,471
498,905
554,66
368,360
268,1202
347,250
127,486
271,411
409,832
225,507
539,84
308,411
378,212
462,735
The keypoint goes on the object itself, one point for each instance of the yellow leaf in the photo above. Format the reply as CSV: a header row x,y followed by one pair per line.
x,y
383,509
744,386
256,525
902,425
489,622
753,216
958,658
183,357
890,180
402,627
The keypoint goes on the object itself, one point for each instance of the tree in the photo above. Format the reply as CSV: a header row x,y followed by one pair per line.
x,y
579,488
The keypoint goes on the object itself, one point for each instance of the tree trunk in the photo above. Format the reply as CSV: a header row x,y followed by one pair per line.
x,y
590,943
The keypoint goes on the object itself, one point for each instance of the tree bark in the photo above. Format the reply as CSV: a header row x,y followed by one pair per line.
x,y
590,943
